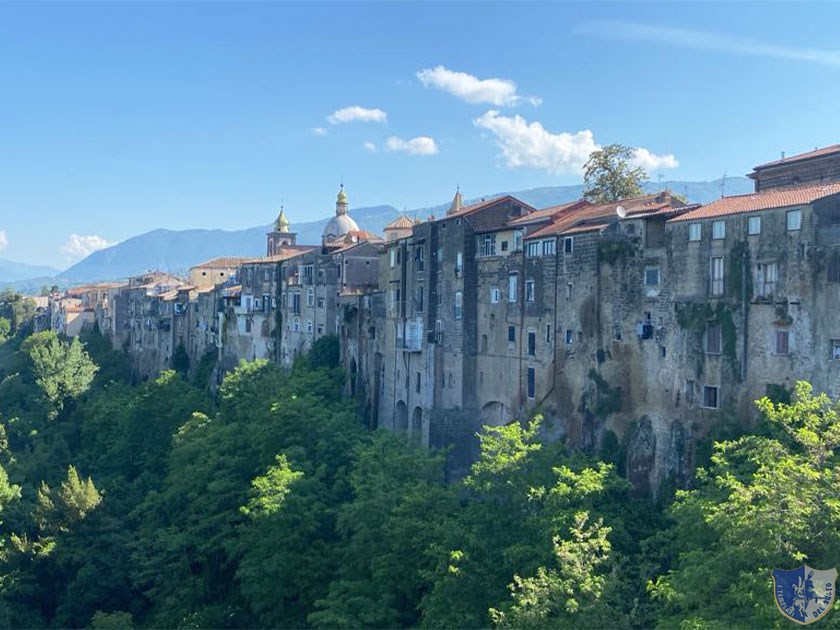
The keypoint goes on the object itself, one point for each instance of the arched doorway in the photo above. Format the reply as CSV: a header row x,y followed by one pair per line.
x,y
401,418
417,425
494,414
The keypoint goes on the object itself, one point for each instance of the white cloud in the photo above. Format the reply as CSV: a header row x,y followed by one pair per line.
x,y
702,40
525,144
467,87
370,146
319,131
78,246
421,145
4,240
651,162
349,114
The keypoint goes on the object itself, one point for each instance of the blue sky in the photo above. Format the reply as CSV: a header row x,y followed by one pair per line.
x,y
119,118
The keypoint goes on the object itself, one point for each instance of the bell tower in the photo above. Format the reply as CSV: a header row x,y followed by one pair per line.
x,y
280,236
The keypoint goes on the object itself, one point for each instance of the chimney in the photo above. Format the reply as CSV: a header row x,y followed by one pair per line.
x,y
783,156
664,197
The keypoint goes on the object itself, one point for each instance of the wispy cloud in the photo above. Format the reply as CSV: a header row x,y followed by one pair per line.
x,y
78,246
350,114
4,240
469,88
369,146
530,145
319,131
703,40
421,145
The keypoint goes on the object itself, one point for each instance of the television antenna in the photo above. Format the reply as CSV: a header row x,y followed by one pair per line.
x,y
723,185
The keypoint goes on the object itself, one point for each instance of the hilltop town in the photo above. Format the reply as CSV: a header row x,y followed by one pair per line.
x,y
645,320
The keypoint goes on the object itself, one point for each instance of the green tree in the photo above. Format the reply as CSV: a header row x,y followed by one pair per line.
x,y
63,370
5,329
609,175
766,501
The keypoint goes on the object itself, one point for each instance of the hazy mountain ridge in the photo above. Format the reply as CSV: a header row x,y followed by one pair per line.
x,y
177,251
11,271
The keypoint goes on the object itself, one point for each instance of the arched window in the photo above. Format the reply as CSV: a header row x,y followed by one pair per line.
x,y
310,297
296,324
309,326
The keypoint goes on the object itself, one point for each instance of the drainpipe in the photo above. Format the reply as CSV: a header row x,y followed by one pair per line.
x,y
745,316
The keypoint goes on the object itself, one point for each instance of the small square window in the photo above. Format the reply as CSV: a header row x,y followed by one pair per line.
x,y
710,397
694,231
652,276
794,220
754,226
504,246
718,230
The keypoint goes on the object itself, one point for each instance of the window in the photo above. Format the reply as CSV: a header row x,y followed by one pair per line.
x,y
417,382
529,290
568,244
766,276
504,246
511,334
782,345
835,349
549,248
320,302
651,281
689,392
247,324
418,299
488,245
517,241
716,275
393,254
833,268
718,230
753,225
513,287
459,305
310,297
570,337
794,220
548,333
710,397
309,326
533,249
532,343
484,344
694,231
712,338
569,290
420,258
459,263
495,295
531,383
296,324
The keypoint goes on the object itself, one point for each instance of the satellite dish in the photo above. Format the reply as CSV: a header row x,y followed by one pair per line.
x,y
621,212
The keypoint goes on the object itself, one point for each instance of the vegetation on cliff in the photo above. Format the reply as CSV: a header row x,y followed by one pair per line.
x,y
271,505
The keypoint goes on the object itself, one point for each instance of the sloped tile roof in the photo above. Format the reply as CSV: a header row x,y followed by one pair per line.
x,y
768,200
223,262
402,222
550,212
834,148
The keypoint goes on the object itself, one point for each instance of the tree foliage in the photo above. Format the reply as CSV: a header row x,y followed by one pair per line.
x,y
610,175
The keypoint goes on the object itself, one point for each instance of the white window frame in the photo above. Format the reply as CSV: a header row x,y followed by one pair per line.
x,y
530,290
495,295
782,334
718,230
549,247
459,305
695,232
513,287
533,249
716,282
753,225
793,220
717,397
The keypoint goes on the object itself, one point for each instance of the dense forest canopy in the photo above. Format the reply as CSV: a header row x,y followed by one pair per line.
x,y
270,504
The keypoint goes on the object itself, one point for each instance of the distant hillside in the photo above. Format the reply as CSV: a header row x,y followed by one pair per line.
x,y
11,271
177,251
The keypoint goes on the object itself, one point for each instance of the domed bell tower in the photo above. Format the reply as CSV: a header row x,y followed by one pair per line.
x,y
280,236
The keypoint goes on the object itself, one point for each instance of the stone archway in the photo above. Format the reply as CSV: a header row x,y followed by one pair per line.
x,y
495,414
401,417
417,425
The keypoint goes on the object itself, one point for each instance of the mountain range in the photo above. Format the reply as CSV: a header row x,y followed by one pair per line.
x,y
177,251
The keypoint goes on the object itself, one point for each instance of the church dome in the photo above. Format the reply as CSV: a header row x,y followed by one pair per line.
x,y
282,223
338,227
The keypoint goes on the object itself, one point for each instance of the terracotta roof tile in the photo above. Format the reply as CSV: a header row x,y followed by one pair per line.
x,y
550,212
834,148
287,253
402,222
223,262
768,200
